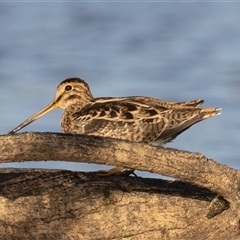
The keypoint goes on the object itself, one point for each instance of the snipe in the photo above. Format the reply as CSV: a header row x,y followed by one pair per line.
x,y
140,119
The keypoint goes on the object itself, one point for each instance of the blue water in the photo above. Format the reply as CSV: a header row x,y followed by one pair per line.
x,y
173,51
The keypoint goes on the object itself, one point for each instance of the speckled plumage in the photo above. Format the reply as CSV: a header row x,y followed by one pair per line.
x,y
141,119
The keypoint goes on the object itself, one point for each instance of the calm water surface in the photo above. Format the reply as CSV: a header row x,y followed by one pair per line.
x,y
172,51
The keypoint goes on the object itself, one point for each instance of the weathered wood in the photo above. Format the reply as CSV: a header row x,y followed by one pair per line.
x,y
51,204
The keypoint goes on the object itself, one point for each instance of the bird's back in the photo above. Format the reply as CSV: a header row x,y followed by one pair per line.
x,y
139,119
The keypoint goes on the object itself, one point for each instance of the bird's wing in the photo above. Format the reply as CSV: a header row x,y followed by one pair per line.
x,y
172,105
134,119
179,120
123,118
119,109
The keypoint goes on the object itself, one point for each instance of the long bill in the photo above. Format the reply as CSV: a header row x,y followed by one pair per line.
x,y
51,106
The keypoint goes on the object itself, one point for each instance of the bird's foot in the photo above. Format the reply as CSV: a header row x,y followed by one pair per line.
x,y
115,171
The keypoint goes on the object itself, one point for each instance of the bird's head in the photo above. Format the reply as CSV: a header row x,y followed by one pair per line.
x,y
71,91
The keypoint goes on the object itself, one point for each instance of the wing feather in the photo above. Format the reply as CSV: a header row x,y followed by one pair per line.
x,y
137,118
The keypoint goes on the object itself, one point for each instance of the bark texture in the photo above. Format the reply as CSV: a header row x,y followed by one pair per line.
x,y
55,204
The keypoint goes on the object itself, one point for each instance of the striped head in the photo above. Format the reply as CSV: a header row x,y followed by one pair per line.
x,y
72,91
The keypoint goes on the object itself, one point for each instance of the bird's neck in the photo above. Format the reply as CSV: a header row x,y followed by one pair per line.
x,y
68,121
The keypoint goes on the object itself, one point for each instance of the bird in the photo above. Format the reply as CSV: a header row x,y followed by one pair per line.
x,y
135,118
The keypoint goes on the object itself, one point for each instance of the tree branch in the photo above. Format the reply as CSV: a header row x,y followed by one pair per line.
x,y
186,166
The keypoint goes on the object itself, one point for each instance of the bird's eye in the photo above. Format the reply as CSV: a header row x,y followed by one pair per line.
x,y
68,88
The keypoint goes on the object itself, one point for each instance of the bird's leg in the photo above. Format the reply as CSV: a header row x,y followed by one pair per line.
x,y
128,172
115,171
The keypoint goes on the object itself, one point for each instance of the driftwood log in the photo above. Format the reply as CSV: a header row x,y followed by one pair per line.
x,y
58,204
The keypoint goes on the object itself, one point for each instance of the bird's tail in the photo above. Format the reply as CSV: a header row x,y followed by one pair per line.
x,y
211,112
